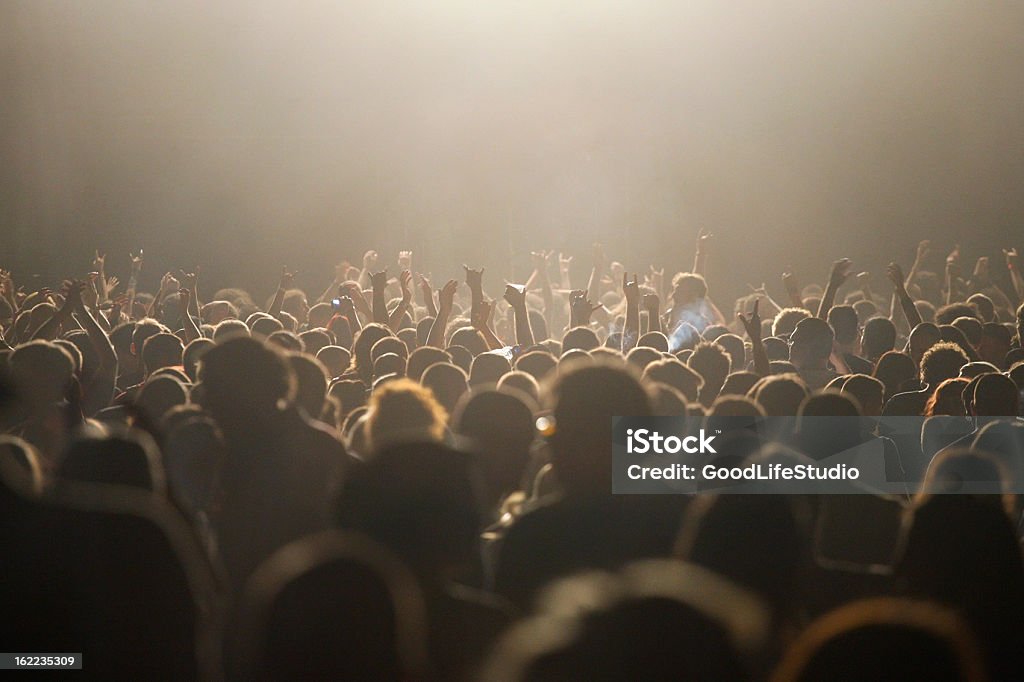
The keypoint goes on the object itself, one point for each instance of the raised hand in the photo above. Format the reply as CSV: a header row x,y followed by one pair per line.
x,y
405,281
840,272
184,294
369,260
923,247
287,279
981,268
446,296
599,258
346,307
168,283
515,296
895,274
136,261
474,278
73,290
580,308
752,324
704,239
112,284
630,288
379,280
99,261
405,260
954,255
1011,258
652,303
564,263
189,279
355,294
481,315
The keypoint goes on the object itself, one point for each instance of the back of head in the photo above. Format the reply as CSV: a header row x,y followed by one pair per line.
x,y
879,337
424,357
420,500
995,395
447,382
780,395
41,371
787,319
712,362
885,639
128,459
402,411
359,611
942,361
811,341
158,395
161,350
754,540
335,358
655,620
536,363
488,368
243,381
869,392
677,375
314,339
843,319
311,383
586,398
655,340
580,337
894,369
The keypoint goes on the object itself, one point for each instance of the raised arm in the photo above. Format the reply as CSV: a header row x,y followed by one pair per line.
x,y
187,323
840,271
899,283
190,281
481,320
700,258
752,325
596,273
369,263
952,274
564,264
516,298
631,331
283,285
580,309
792,289
446,301
652,304
923,247
395,319
100,390
1015,277
428,295
378,284
133,281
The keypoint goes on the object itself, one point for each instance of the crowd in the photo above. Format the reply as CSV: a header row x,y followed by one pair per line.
x,y
392,480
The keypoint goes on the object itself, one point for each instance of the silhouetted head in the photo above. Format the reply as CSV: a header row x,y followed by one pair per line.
x,y
402,411
128,458
245,384
885,640
447,382
585,399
